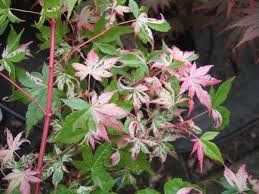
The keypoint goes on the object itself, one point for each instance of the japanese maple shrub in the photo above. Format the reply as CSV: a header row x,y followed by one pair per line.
x,y
107,110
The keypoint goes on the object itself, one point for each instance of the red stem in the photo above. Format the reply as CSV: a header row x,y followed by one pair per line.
x,y
23,91
48,105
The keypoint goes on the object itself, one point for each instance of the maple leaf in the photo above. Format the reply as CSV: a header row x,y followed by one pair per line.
x,y
22,178
139,136
117,10
143,25
86,19
182,56
138,96
94,66
13,145
106,113
197,147
193,79
174,60
120,10
99,135
154,85
165,99
239,179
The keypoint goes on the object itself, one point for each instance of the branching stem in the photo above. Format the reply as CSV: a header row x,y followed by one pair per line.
x,y
23,91
25,11
47,115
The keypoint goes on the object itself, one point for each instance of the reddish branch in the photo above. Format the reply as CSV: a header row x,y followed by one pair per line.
x,y
48,105
90,40
48,112
23,91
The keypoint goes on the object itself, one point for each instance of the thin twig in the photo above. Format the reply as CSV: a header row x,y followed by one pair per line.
x,y
59,155
23,91
90,40
25,11
199,115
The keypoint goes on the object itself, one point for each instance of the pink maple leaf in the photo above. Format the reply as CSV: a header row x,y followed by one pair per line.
x,y
96,136
238,180
86,19
107,113
178,55
120,9
138,96
193,80
117,10
197,147
164,99
154,85
13,145
22,179
185,190
255,184
94,66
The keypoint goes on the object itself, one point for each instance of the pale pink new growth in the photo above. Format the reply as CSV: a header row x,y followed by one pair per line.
x,y
164,99
139,95
94,66
197,147
238,180
22,178
115,158
185,190
86,19
193,80
105,115
154,85
120,10
179,55
13,145
217,118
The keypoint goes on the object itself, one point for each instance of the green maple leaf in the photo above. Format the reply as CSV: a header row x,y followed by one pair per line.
x,y
35,84
13,52
6,15
93,163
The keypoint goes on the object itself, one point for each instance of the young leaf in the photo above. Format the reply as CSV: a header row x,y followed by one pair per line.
x,y
38,90
134,8
212,151
225,114
76,103
98,68
57,175
193,82
159,25
222,92
74,127
209,135
107,49
6,15
22,179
